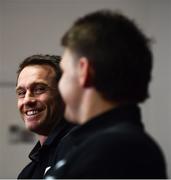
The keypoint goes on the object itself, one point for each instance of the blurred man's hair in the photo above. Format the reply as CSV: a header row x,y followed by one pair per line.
x,y
118,52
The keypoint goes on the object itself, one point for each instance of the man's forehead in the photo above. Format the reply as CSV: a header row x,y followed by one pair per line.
x,y
67,56
36,73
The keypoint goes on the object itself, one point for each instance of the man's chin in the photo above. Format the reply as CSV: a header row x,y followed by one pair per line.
x,y
70,118
33,127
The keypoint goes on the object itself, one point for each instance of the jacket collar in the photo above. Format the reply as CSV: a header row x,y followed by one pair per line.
x,y
54,137
125,113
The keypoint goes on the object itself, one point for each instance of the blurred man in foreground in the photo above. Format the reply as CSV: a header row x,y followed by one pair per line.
x,y
106,71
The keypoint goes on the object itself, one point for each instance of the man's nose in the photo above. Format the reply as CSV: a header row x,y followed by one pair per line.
x,y
29,98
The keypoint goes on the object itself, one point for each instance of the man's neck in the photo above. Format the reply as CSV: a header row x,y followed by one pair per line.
x,y
93,105
42,139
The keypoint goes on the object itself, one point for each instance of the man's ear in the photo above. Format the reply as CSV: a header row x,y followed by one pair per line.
x,y
85,72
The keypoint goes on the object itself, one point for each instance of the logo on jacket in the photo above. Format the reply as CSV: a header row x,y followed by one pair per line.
x,y
47,169
60,163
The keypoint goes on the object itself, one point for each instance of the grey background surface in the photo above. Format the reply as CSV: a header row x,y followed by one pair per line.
x,y
35,26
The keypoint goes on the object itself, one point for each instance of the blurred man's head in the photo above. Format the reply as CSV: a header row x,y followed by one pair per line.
x,y
113,56
39,102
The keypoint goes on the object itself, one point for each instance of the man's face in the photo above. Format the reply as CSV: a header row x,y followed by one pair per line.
x,y
37,94
69,87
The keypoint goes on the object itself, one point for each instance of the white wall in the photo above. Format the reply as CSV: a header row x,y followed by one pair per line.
x,y
36,26
157,111
1,143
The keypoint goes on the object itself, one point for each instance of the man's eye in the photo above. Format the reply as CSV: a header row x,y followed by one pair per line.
x,y
39,89
21,93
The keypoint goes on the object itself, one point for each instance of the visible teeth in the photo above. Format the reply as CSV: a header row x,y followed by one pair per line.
x,y
29,113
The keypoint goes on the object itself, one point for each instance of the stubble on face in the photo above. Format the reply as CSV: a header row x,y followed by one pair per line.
x,y
38,108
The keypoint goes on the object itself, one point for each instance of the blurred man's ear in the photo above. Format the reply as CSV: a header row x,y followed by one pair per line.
x,y
85,72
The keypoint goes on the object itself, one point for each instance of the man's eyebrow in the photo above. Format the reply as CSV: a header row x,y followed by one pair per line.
x,y
18,88
32,85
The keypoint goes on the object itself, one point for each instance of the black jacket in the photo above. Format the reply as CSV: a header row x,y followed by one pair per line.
x,y
112,145
44,157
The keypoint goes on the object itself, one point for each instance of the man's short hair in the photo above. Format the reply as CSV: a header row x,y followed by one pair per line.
x,y
51,60
118,52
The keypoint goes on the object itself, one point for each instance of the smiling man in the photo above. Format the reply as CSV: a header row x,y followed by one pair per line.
x,y
41,109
